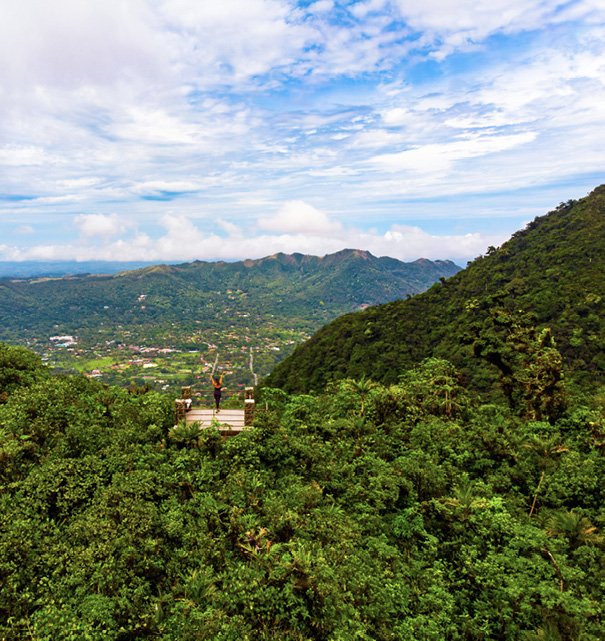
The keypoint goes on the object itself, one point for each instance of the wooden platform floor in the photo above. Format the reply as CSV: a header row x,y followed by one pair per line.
x,y
230,421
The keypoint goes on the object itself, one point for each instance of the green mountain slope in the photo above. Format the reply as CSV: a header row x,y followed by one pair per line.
x,y
553,269
307,288
407,514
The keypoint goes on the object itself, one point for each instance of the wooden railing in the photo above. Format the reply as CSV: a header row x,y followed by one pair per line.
x,y
184,404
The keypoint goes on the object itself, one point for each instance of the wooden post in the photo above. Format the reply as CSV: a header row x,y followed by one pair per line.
x,y
183,404
248,406
180,409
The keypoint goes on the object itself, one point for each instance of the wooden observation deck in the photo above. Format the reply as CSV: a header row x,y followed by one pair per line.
x,y
230,422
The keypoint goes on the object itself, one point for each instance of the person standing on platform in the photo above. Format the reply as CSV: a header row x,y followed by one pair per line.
x,y
217,384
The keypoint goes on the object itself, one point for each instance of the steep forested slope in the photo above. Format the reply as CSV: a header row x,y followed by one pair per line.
x,y
549,274
401,513
304,287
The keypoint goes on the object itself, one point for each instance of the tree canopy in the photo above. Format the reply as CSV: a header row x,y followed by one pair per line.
x,y
552,270
395,512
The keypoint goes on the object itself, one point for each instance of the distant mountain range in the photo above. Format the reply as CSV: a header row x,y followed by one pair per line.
x,y
58,268
309,289
553,270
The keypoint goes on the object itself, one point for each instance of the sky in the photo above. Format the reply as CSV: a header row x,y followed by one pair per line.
x,y
175,130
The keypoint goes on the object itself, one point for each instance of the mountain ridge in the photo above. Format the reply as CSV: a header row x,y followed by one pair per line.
x,y
267,305
552,269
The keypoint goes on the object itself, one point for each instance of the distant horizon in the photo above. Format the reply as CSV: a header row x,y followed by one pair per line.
x,y
167,131
68,267
213,260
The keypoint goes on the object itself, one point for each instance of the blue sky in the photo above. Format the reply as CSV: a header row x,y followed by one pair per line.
x,y
173,130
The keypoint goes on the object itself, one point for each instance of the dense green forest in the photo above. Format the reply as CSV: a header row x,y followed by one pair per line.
x,y
410,497
549,275
305,290
405,512
165,325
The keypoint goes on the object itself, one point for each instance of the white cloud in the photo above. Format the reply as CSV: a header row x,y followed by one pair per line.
x,y
100,225
12,253
147,126
115,107
69,43
321,6
57,200
184,240
412,241
296,216
20,156
454,24
180,231
78,183
233,40
439,158
398,116
230,229
378,138
364,7
333,172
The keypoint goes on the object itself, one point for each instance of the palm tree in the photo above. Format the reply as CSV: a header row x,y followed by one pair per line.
x,y
546,449
465,498
577,529
185,434
548,632
362,388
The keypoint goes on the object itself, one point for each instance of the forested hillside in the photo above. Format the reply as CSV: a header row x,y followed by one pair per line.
x,y
307,289
169,325
547,275
400,513
394,506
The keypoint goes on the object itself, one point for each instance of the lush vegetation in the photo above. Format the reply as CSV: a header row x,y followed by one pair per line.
x,y
400,512
154,325
552,271
409,498
290,286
